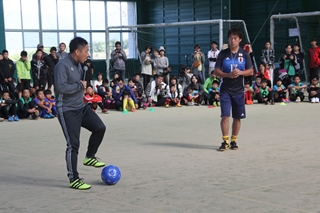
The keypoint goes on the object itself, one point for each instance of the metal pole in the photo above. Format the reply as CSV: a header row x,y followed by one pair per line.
x,y
107,54
220,34
301,48
272,45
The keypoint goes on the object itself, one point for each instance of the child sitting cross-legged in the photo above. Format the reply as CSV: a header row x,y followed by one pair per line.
x,y
44,106
248,91
314,89
26,106
49,98
173,97
213,94
8,107
128,103
93,100
192,96
264,94
105,92
280,92
297,89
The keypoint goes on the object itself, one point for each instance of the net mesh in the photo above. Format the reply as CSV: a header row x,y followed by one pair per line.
x,y
178,42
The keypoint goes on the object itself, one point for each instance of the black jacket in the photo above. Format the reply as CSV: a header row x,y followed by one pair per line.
x,y
39,69
51,63
6,69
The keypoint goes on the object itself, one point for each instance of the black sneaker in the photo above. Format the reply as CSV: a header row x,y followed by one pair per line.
x,y
224,146
233,146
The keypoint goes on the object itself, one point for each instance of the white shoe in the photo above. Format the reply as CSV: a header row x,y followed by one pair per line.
x,y
313,100
317,100
298,100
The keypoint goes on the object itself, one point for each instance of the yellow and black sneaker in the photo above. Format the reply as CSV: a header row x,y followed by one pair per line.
x,y
93,162
79,184
224,146
233,146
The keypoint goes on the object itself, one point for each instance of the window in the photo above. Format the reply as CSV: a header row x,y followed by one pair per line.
x,y
65,15
50,22
12,15
49,14
82,15
30,14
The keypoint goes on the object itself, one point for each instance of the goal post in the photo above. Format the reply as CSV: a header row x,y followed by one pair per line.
x,y
178,39
294,28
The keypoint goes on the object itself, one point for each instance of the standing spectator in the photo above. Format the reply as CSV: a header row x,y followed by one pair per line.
x,y
316,59
41,47
39,71
314,90
300,56
23,67
97,83
156,92
88,68
7,74
118,59
146,66
198,60
51,60
232,65
268,56
156,58
61,54
162,65
288,61
212,56
312,63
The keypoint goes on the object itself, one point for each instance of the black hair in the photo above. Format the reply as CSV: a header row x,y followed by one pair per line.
x,y
215,82
119,79
130,79
258,77
235,31
287,45
39,50
156,50
173,77
187,68
316,77
99,73
263,81
53,49
3,92
38,90
149,47
293,45
268,42
62,43
159,76
4,51
195,77
105,81
196,46
279,79
212,72
172,85
190,87
47,92
117,43
23,53
77,43
214,42
296,76
126,92
136,74
247,82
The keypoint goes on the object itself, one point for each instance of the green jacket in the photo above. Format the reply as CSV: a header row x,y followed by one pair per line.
x,y
23,69
208,84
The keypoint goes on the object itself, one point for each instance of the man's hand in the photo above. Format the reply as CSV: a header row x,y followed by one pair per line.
x,y
6,80
84,83
313,93
49,110
19,80
136,105
236,72
150,100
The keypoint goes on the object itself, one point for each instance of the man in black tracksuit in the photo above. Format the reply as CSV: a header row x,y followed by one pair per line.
x,y
51,61
6,74
73,113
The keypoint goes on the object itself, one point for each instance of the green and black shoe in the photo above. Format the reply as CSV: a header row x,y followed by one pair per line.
x,y
79,184
93,162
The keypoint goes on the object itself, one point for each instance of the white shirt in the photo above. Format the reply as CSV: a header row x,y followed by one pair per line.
x,y
95,84
213,54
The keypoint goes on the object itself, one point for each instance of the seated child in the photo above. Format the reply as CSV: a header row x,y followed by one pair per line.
x,y
44,106
248,91
105,93
26,106
128,103
131,84
173,97
314,90
297,89
93,100
192,96
213,94
280,92
264,94
8,107
49,98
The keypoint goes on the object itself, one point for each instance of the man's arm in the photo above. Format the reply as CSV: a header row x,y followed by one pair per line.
x,y
61,83
124,56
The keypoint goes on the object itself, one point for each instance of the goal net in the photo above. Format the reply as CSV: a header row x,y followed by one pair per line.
x,y
178,39
295,28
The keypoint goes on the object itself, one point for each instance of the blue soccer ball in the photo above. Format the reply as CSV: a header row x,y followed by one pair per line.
x,y
110,174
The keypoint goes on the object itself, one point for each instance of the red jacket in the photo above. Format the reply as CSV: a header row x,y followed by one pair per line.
x,y
316,56
266,75
92,99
